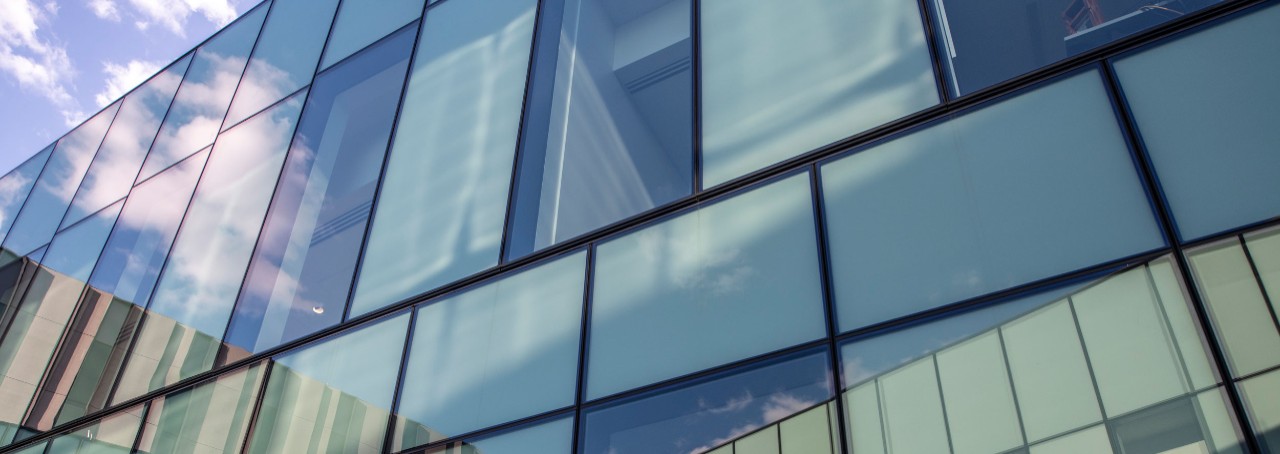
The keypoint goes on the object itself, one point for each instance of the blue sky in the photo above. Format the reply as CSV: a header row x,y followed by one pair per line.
x,y
61,61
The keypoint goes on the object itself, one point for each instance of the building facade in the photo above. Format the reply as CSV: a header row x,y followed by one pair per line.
x,y
663,226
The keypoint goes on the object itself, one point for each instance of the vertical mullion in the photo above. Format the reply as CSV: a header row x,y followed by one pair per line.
x,y
583,339
695,27
1164,214
251,426
247,60
935,55
828,297
400,378
386,157
1257,276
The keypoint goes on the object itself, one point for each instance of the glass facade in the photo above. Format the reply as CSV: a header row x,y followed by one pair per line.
x,y
662,226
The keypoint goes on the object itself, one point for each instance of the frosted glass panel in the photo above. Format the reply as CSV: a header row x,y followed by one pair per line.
x,y
1001,180
1237,307
1211,166
783,78
979,400
697,290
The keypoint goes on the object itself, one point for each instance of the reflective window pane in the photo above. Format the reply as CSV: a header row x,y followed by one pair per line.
x,y
15,186
206,91
1261,394
57,185
194,296
334,396
363,22
300,275
445,191
552,437
1238,306
696,291
709,412
211,418
1212,167
75,250
615,138
501,352
1118,350
783,78
114,434
982,45
285,57
126,143
1002,180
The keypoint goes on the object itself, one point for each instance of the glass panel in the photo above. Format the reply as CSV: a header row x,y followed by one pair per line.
x,y
616,136
285,57
1039,367
445,191
114,434
697,290
783,78
982,46
545,438
334,396
809,432
57,185
1092,440
1001,179
201,102
301,272
211,418
1211,166
14,188
1245,323
1264,250
501,352
762,442
362,22
35,449
75,250
706,413
1261,394
126,143
33,334
195,295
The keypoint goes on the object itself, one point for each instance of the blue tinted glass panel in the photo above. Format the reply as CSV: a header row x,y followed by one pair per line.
x,y
206,91
301,273
706,413
544,438
616,136
334,396
15,187
363,22
131,260
285,57
57,185
75,250
986,44
988,200
696,291
125,146
783,78
445,192
195,294
1214,168
498,353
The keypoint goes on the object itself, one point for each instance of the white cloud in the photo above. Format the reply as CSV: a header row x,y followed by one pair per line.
x,y
173,14
122,78
105,9
37,62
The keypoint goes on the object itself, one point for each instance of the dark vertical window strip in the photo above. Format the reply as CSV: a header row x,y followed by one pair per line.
x,y
1257,277
695,25
1165,216
543,46
269,4
257,406
389,437
828,298
142,427
19,293
386,156
935,53
581,387
137,180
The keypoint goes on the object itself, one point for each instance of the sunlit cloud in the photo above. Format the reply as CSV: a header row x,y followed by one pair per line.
x,y
123,77
173,15
35,60
105,9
